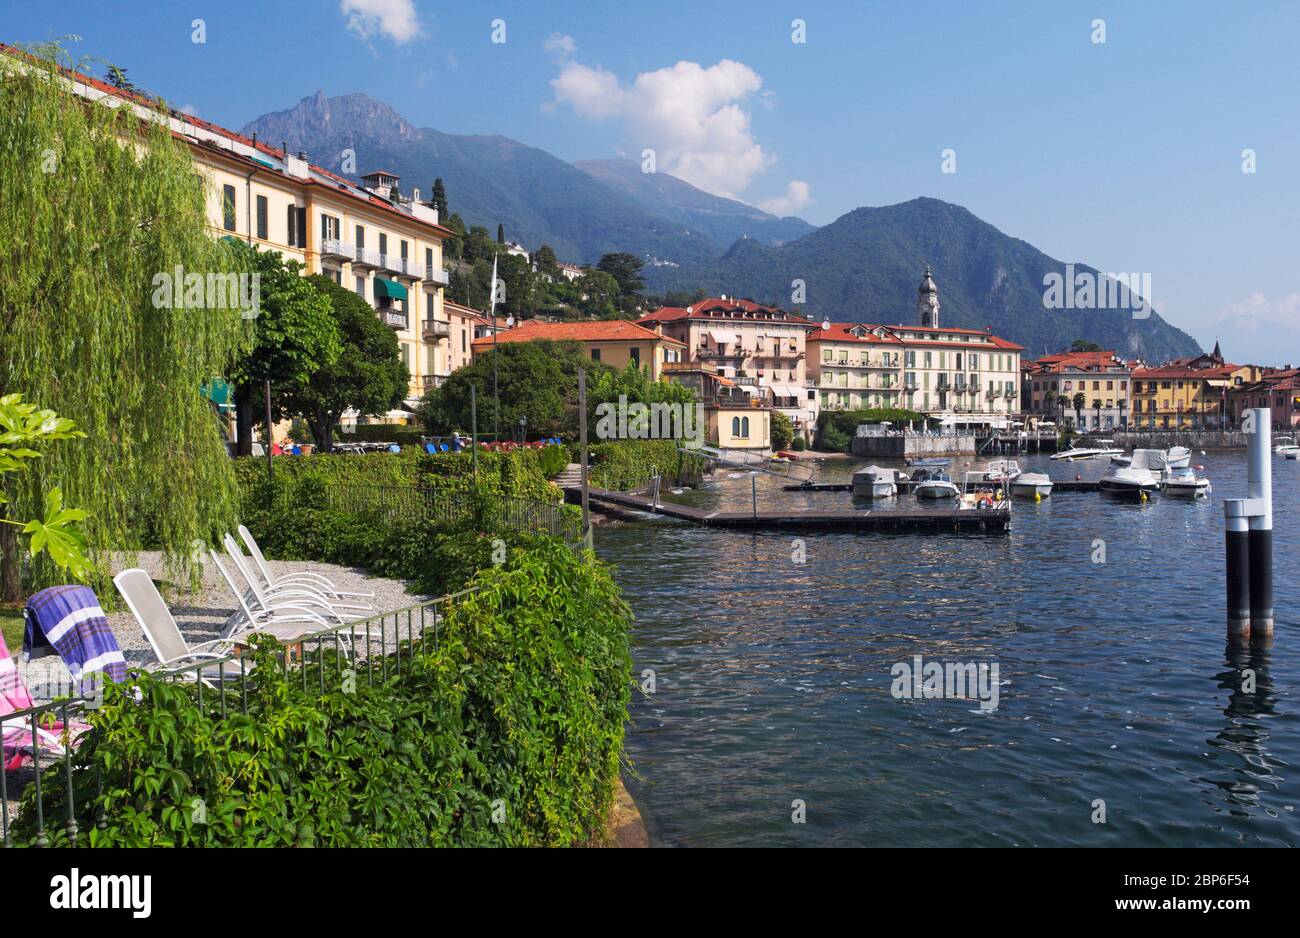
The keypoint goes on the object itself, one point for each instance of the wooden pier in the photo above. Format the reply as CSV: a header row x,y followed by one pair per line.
x,y
1058,485
908,519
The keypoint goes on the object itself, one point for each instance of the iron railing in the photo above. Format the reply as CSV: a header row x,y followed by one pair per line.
x,y
371,649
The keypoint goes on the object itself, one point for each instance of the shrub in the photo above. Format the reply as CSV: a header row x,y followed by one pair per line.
x,y
623,464
552,460
799,444
521,705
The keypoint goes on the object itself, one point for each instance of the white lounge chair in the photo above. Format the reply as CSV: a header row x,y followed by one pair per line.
x,y
260,596
165,638
269,616
302,577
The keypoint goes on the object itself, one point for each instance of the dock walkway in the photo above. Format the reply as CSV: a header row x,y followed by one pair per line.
x,y
914,519
1058,485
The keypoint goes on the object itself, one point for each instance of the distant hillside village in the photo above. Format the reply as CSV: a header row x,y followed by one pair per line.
x,y
743,360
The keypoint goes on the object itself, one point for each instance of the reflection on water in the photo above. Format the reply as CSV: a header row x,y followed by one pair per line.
x,y
773,677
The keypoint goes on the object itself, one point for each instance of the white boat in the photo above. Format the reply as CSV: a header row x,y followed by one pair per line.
x,y
933,483
1185,483
876,482
1143,474
1030,484
1000,470
1177,457
978,492
1286,447
1099,450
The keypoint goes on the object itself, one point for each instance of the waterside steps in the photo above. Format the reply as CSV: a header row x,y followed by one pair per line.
x,y
917,519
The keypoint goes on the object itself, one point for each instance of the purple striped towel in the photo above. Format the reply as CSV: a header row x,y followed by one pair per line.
x,y
70,619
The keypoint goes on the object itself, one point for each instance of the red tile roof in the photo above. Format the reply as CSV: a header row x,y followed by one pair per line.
x,y
611,330
716,308
839,333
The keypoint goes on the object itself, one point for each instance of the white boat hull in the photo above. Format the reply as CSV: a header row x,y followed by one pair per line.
x,y
1029,487
1199,489
873,489
937,490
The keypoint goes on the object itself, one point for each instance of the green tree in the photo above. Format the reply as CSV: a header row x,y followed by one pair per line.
x,y
626,269
501,234
294,336
1078,402
440,199
478,246
634,385
453,248
536,380
1083,345
367,376
598,294
782,431
88,227
546,262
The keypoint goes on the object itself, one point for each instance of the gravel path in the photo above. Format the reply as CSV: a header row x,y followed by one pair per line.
x,y
201,615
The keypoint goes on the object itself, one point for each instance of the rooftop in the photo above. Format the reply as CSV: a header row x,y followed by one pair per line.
x,y
603,330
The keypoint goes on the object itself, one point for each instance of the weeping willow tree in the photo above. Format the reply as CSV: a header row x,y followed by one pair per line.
x,y
96,202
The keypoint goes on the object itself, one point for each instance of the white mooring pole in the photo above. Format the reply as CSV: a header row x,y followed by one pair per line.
x,y
1248,536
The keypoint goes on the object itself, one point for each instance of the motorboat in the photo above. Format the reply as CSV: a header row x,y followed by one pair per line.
x,y
1001,470
876,482
1099,450
1286,447
1177,457
1031,484
933,483
1143,474
978,492
1185,483
929,462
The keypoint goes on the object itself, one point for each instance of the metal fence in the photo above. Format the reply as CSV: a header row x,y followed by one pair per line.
x,y
372,649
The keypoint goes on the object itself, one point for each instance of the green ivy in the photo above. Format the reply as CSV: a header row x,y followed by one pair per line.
x,y
508,733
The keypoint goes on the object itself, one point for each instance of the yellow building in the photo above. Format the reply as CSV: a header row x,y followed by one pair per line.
x,y
367,237
1189,393
613,342
739,426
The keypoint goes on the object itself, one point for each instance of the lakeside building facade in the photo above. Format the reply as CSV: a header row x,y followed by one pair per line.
x,y
1277,389
761,349
733,419
1189,393
960,376
613,342
367,237
1103,378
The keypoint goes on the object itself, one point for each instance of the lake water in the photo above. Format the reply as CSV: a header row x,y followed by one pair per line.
x,y
773,677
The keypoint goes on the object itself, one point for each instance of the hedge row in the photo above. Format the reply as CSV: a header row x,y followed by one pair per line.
x,y
625,464
508,733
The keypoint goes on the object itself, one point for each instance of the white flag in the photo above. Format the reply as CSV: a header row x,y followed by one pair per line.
x,y
498,287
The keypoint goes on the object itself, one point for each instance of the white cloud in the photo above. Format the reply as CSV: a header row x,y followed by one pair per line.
x,y
1257,329
692,117
798,196
395,19
560,47
190,110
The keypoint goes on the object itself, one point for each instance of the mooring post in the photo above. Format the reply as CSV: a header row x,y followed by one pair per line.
x,y
753,489
1237,567
1259,491
1248,536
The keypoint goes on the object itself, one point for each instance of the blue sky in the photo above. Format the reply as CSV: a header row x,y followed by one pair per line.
x,y
1126,154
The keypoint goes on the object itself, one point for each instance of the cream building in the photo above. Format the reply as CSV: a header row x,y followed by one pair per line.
x,y
366,237
964,375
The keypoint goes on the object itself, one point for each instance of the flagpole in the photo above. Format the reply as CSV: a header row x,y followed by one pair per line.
x,y
496,399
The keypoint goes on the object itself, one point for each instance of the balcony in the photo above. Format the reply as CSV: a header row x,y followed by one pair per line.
x,y
407,269
364,259
333,247
393,317
435,330
435,278
429,382
721,354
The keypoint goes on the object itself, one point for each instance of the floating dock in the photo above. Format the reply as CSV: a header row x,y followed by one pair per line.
x,y
1058,485
914,519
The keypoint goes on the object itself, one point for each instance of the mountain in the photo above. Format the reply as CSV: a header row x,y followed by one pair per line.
x,y
866,265
490,180
723,221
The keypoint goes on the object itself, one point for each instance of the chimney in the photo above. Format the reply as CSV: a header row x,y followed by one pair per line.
x,y
284,148
254,138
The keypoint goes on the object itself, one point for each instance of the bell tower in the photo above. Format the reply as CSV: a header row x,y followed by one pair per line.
x,y
927,301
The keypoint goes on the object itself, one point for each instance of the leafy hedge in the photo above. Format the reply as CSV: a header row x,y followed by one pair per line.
x,y
836,428
624,464
402,434
507,734
517,472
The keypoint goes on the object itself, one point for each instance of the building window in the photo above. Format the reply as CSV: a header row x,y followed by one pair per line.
x,y
428,262
735,426
403,250
361,237
595,354
744,427
262,226
635,355
329,228
228,207
296,223
361,287
383,243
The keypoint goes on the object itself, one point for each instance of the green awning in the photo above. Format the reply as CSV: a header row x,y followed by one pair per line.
x,y
389,288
